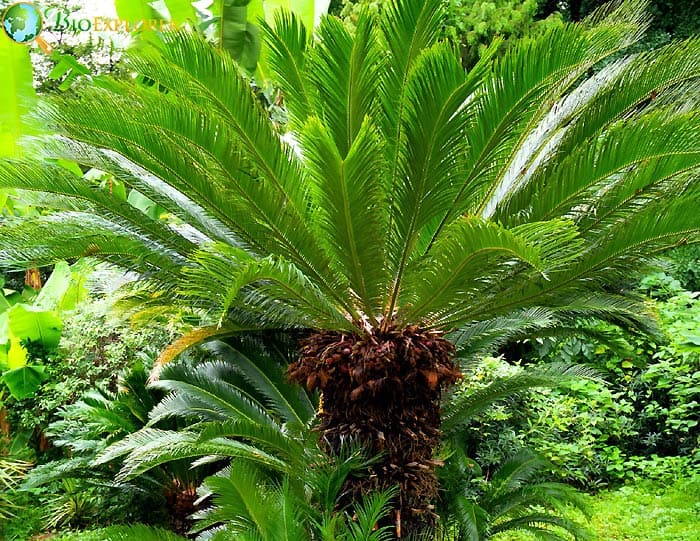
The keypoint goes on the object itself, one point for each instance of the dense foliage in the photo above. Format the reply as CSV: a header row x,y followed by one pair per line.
x,y
639,421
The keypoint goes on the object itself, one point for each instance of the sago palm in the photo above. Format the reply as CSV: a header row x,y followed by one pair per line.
x,y
273,481
411,200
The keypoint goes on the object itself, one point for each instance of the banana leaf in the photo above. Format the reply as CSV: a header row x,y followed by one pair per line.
x,y
17,94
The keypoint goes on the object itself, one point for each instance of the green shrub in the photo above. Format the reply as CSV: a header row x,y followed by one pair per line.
x,y
136,532
686,262
592,432
94,349
641,421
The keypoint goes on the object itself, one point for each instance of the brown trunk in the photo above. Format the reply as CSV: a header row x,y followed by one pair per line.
x,y
4,423
384,391
180,504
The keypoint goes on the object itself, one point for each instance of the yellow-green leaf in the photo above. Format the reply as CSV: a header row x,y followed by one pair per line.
x,y
17,94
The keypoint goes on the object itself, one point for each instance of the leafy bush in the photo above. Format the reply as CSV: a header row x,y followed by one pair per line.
x,y
135,532
474,25
94,349
642,423
79,493
686,261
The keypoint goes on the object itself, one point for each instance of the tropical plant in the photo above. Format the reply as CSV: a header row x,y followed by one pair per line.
x,y
235,404
82,431
11,472
32,321
410,199
476,504
305,504
513,498
134,532
274,482
17,96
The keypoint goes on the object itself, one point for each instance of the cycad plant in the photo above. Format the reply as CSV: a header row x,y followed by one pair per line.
x,y
514,499
411,199
273,483
83,430
232,406
476,505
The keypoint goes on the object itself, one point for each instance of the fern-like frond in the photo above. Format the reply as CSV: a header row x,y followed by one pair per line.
x,y
352,210
463,405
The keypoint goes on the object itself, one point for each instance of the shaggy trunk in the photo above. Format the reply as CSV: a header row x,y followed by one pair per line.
x,y
384,391
180,502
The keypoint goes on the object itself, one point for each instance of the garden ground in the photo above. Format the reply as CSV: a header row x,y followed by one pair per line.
x,y
644,512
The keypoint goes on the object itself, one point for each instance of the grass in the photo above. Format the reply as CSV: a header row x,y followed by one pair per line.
x,y
136,532
642,512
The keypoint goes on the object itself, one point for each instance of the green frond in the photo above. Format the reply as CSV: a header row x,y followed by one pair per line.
x,y
556,243
344,72
270,437
352,217
219,274
191,338
57,470
195,393
484,337
545,527
514,472
471,520
238,500
39,176
369,512
287,43
432,127
148,449
45,240
625,311
466,256
269,380
527,83
573,185
463,405
407,27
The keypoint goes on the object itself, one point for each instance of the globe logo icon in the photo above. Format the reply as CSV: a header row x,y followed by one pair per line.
x,y
22,22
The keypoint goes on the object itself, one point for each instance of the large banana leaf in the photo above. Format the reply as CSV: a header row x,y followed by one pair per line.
x,y
134,10
24,381
238,29
41,320
176,10
17,94
239,32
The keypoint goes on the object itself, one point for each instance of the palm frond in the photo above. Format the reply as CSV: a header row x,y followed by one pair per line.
x,y
462,406
186,341
352,210
221,273
45,240
287,43
52,179
268,379
461,260
344,72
